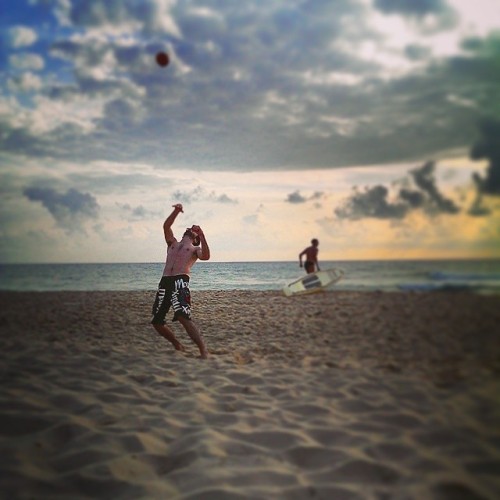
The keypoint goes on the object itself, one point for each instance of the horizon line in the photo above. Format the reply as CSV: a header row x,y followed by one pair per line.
x,y
436,259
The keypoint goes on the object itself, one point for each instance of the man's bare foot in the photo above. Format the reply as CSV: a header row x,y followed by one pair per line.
x,y
179,347
203,355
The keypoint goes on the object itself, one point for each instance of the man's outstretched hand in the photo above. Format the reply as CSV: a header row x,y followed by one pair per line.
x,y
178,206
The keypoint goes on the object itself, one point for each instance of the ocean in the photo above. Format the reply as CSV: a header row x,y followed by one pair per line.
x,y
481,276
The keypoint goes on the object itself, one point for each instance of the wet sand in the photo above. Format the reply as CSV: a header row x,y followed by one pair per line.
x,y
338,395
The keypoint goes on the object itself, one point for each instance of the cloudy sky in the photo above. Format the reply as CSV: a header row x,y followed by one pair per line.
x,y
372,125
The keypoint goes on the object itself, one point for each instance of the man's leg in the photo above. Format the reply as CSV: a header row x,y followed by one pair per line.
x,y
195,335
165,332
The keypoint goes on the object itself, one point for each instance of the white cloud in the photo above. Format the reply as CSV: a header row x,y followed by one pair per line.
x,y
161,19
22,36
49,114
26,82
27,61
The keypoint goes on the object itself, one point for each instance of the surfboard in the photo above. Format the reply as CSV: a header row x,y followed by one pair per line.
x,y
313,282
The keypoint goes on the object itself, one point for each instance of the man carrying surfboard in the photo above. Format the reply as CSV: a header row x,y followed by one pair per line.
x,y
311,253
173,289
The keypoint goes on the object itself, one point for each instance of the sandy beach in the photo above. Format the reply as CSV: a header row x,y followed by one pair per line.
x,y
339,395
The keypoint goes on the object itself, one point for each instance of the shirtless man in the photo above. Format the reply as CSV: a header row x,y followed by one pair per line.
x,y
173,290
311,254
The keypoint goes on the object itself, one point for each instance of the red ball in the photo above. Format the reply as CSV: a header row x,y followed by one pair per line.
x,y
162,59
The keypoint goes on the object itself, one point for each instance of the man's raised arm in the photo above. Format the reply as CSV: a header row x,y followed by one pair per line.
x,y
167,225
204,252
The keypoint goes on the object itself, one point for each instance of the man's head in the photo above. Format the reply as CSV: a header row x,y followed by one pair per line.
x,y
192,233
314,242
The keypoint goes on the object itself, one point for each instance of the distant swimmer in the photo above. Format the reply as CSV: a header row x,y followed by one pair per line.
x,y
173,289
311,253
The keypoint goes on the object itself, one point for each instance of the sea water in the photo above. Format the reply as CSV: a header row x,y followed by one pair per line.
x,y
481,276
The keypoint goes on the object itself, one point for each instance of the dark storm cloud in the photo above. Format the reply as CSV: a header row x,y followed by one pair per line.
x,y
425,180
66,208
317,195
415,199
371,203
480,64
433,15
411,7
477,208
488,147
374,201
296,197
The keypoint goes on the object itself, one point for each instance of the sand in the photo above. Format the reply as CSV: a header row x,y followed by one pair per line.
x,y
330,396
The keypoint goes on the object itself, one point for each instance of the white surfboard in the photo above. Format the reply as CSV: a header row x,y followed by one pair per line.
x,y
313,282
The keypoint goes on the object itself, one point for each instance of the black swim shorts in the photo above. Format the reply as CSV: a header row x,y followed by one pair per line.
x,y
173,291
309,266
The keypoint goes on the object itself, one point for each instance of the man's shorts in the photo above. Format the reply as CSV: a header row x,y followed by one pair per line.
x,y
309,266
173,291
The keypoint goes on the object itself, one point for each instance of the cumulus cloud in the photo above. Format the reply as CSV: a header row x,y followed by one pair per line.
x,y
68,209
414,199
22,36
150,16
375,201
26,82
27,61
372,202
425,180
296,197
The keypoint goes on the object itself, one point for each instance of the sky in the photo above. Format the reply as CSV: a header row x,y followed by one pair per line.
x,y
371,125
